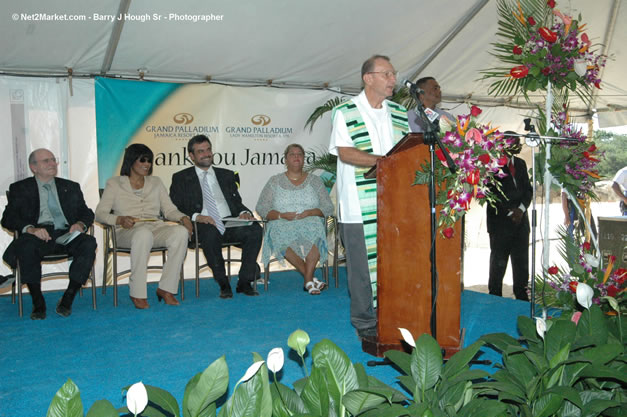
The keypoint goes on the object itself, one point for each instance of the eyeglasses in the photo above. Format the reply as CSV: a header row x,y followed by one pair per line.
x,y
386,74
145,159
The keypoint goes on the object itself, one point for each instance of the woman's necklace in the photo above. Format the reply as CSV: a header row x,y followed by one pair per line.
x,y
294,179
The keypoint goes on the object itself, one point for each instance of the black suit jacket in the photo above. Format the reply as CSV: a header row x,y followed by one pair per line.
x,y
186,193
514,195
23,207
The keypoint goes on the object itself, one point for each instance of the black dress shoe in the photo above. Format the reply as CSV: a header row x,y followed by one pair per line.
x,y
247,290
226,292
39,312
62,310
6,280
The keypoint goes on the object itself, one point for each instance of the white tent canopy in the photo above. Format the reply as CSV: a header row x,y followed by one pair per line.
x,y
289,43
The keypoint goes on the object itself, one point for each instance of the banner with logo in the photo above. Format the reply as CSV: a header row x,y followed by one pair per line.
x,y
249,127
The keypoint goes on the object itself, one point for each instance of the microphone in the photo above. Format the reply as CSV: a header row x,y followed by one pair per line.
x,y
413,88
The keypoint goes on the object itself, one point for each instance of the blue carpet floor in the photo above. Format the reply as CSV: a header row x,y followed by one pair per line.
x,y
105,350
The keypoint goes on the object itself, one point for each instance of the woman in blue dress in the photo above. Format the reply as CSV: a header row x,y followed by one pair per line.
x,y
296,204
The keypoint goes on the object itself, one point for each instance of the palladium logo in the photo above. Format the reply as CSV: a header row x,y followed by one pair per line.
x,y
260,120
183,118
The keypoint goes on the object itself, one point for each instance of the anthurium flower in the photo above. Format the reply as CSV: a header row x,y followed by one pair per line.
x,y
408,337
502,161
520,71
275,360
592,149
591,260
573,285
136,398
540,326
575,317
475,111
586,245
547,34
553,270
473,135
580,66
473,177
517,50
584,294
567,20
449,232
441,156
531,21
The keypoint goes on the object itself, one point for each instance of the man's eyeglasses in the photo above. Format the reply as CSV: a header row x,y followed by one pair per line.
x,y
145,159
386,74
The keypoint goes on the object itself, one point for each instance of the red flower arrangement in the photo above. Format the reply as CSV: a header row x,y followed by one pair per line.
x,y
478,152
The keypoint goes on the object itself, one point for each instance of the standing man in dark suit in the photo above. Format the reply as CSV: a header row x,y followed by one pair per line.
x,y
42,208
208,194
508,225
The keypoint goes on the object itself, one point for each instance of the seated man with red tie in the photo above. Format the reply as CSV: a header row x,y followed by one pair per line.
x,y
508,224
42,208
208,194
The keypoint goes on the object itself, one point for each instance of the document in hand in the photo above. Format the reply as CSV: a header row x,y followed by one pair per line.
x,y
67,238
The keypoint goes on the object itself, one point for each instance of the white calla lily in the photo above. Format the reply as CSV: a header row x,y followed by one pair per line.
x,y
540,326
408,337
251,371
275,360
584,294
136,398
580,66
591,260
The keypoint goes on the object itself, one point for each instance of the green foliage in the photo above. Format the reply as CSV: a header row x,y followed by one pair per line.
x,y
614,147
576,370
66,402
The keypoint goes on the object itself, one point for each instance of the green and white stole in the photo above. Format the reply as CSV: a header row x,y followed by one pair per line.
x,y
367,188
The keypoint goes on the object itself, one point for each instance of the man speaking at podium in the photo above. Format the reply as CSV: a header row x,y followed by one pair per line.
x,y
364,129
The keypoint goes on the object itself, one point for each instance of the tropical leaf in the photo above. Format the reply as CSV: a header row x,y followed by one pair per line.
x,y
426,363
66,402
206,387
322,110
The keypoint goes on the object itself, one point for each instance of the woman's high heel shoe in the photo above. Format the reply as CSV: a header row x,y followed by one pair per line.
x,y
140,303
167,297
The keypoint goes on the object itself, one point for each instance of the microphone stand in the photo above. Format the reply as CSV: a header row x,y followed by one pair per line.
x,y
431,138
532,139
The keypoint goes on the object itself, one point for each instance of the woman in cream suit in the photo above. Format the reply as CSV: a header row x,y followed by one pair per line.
x,y
134,202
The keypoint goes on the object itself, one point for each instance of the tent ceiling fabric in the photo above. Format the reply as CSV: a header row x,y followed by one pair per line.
x,y
292,43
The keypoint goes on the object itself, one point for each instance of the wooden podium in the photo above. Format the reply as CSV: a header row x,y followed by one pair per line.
x,y
403,265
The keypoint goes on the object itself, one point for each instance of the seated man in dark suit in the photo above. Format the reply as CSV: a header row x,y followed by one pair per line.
x,y
208,194
508,225
42,208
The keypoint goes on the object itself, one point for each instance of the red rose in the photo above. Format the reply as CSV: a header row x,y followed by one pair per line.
x,y
612,259
475,111
592,148
502,161
573,286
520,71
553,270
546,70
484,158
531,21
612,291
547,34
449,232
586,155
586,246
551,3
517,50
